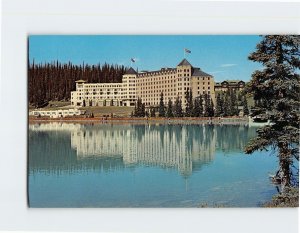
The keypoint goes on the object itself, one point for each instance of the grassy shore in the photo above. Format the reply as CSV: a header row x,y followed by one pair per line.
x,y
117,111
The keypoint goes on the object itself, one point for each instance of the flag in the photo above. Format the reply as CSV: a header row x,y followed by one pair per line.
x,y
187,51
132,59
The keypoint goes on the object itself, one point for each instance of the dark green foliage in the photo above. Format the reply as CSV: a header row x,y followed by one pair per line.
x,y
178,112
240,96
152,112
55,81
219,106
139,108
233,106
212,108
245,106
201,105
170,109
275,89
161,110
208,106
226,107
189,103
197,110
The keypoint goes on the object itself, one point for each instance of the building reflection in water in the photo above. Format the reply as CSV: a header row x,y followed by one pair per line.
x,y
113,146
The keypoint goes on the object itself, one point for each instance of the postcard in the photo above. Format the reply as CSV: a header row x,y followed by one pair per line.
x,y
163,121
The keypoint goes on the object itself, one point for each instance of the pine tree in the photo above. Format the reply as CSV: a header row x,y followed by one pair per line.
x,y
178,108
245,106
275,90
206,105
170,109
139,108
197,109
189,103
233,103
226,105
143,109
219,106
161,110
200,106
55,81
135,110
212,108
187,107
152,112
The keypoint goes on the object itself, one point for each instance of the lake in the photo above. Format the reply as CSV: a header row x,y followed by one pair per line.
x,y
146,165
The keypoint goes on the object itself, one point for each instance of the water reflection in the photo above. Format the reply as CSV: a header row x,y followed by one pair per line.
x,y
63,147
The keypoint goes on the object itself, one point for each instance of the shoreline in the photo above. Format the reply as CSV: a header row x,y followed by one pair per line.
x,y
136,120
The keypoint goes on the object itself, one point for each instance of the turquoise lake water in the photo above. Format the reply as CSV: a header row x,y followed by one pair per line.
x,y
127,165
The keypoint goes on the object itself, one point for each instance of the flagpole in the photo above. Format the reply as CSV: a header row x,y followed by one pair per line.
x,y
184,53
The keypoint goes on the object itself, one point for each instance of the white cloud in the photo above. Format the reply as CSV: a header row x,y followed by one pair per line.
x,y
228,65
216,72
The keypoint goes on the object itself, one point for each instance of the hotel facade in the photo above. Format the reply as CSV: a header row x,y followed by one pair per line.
x,y
147,85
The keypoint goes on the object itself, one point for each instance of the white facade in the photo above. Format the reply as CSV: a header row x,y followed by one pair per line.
x,y
57,113
172,82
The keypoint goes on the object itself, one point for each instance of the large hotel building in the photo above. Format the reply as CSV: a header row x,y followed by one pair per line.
x,y
147,85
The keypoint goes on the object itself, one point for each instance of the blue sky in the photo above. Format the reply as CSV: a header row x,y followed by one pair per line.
x,y
224,57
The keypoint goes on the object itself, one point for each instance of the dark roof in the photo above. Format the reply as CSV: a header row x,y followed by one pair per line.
x,y
199,72
233,81
130,71
184,62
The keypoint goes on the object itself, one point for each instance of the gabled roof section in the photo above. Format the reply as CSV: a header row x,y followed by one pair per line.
x,y
199,72
130,71
184,62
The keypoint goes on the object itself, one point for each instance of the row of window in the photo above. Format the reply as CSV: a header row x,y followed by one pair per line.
x,y
156,87
151,82
101,85
155,74
184,70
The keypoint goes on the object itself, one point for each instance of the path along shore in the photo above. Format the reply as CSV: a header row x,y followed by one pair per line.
x,y
142,120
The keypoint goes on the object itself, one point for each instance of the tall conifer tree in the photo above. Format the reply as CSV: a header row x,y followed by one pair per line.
x,y
161,110
275,90
170,109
